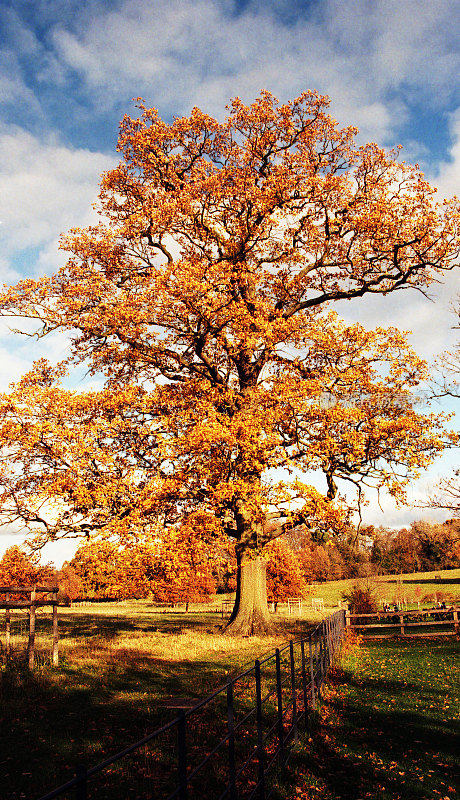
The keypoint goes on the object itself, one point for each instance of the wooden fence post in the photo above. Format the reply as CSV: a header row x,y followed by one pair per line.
x,y
293,689
312,674
456,625
304,682
319,664
279,697
347,617
182,756
82,785
55,628
401,620
31,644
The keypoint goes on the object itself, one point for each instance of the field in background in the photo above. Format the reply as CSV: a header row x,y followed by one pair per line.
x,y
426,587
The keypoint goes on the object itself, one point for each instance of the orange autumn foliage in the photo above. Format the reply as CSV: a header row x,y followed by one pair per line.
x,y
284,572
203,296
19,569
176,567
97,566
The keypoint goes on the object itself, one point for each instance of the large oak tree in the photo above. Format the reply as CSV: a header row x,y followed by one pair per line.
x,y
203,296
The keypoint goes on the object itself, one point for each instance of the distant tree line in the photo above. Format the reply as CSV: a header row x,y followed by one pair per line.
x,y
183,569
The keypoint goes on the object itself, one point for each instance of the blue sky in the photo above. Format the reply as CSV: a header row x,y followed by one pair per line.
x,y
69,71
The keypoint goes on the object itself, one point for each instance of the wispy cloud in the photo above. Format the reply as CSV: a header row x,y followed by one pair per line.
x,y
447,177
178,52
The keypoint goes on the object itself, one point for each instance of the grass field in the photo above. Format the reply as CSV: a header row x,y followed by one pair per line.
x,y
425,588
389,726
122,666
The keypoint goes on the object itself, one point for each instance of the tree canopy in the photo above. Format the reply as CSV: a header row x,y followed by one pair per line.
x,y
203,296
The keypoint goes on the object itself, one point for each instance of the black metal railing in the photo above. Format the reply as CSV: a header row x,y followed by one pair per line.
x,y
228,745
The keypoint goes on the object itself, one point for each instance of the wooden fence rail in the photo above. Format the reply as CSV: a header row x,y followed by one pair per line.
x,y
403,622
230,743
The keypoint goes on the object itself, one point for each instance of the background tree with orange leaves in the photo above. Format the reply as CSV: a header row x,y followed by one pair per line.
x,y
203,295
18,568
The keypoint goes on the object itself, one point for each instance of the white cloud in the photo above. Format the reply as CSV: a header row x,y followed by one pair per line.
x,y
12,366
45,187
431,320
448,176
180,52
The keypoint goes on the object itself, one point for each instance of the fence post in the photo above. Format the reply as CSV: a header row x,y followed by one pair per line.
x,y
81,775
304,681
31,643
347,618
327,641
312,675
279,697
260,743
321,660
231,744
317,666
182,756
401,620
7,628
293,689
55,628
456,625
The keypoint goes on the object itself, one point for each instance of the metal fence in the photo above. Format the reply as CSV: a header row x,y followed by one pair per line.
x,y
230,744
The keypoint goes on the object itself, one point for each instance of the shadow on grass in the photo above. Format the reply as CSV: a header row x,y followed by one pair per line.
x,y
103,697
49,723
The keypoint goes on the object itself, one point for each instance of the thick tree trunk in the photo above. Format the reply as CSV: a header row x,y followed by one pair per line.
x,y
250,616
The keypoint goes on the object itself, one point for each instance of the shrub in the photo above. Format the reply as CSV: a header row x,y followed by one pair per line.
x,y
361,598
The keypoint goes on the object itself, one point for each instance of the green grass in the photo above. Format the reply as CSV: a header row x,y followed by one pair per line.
x,y
389,727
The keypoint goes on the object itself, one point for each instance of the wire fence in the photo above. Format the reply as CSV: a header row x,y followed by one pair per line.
x,y
230,744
